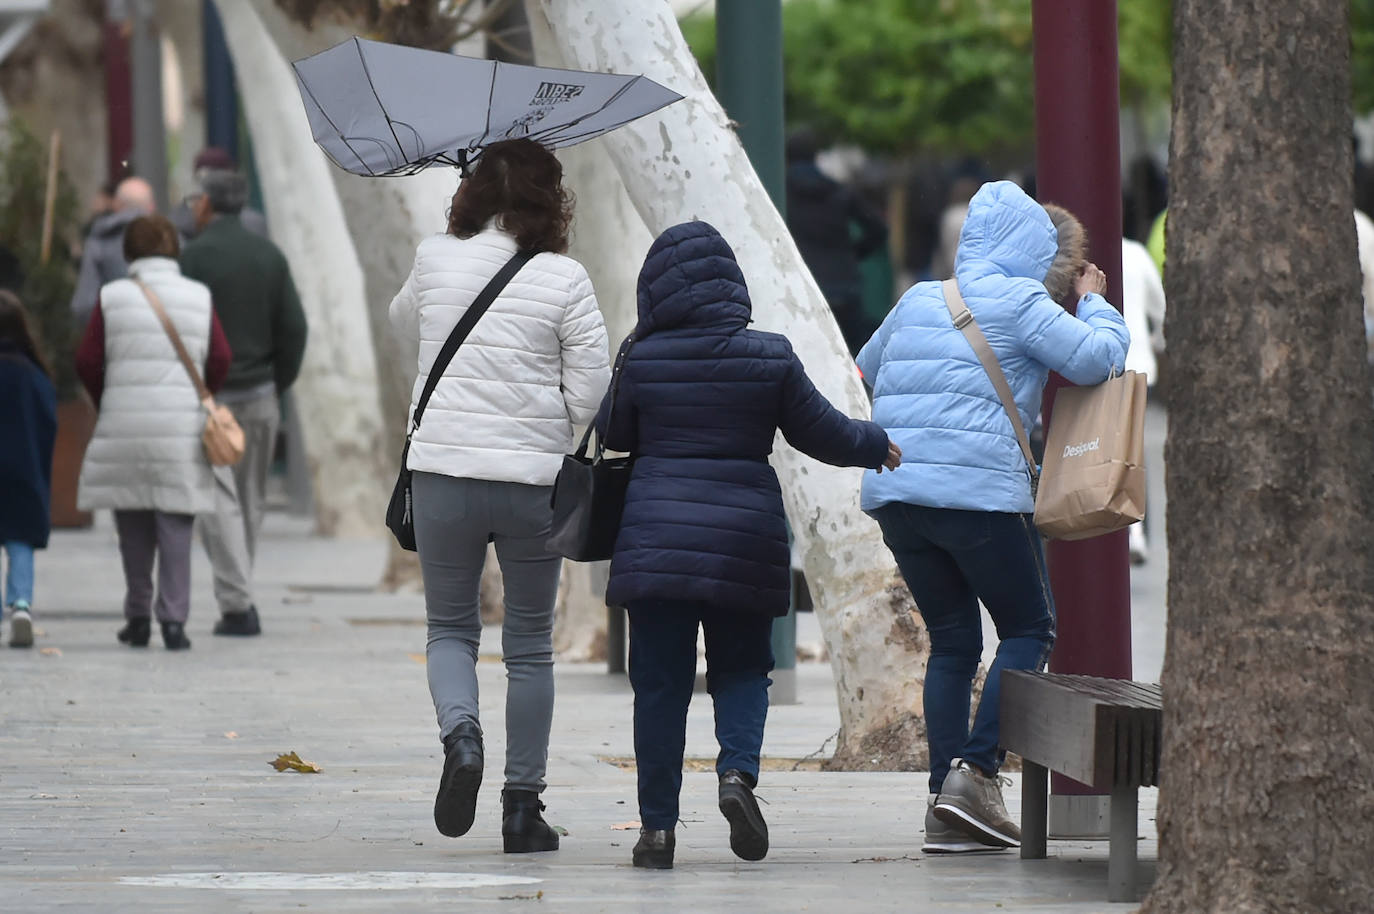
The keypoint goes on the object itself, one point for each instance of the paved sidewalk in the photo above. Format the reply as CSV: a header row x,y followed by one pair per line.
x,y
139,780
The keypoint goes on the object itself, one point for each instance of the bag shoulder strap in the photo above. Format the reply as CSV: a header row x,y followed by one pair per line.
x,y
965,324
623,354
464,326
186,362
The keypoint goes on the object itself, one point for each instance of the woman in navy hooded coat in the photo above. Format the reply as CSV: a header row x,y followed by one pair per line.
x,y
703,540
28,428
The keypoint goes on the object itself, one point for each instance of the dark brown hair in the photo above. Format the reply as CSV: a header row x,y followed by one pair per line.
x,y
151,236
520,184
16,327
1072,256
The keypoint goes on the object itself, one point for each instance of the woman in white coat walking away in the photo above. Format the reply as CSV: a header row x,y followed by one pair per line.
x,y
146,460
484,458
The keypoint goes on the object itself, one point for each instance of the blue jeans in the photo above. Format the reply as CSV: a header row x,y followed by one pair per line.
x,y
951,560
663,662
19,579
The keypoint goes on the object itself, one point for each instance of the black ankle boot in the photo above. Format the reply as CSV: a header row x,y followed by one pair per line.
x,y
748,831
136,632
455,805
174,636
523,829
654,850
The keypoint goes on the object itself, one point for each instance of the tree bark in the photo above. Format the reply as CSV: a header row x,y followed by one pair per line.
x,y
337,389
1268,793
684,163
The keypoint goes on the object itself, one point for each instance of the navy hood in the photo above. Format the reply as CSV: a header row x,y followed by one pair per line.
x,y
690,279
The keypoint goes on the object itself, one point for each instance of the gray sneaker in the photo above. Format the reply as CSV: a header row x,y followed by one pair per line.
x,y
21,626
972,802
944,839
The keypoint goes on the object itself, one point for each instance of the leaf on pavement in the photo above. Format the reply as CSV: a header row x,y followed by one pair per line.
x,y
418,658
625,826
50,651
231,735
292,761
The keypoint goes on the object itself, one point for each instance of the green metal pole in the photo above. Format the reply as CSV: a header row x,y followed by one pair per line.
x,y
749,86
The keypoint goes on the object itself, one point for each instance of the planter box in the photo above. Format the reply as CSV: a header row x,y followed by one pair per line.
x,y
75,424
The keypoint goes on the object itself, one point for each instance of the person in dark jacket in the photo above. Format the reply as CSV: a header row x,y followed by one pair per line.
x,y
834,230
102,255
28,428
256,301
703,540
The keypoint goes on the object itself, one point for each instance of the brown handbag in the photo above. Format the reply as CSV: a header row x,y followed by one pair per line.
x,y
222,437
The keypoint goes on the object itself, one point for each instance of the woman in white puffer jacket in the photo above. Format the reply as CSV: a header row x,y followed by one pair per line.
x,y
490,443
145,460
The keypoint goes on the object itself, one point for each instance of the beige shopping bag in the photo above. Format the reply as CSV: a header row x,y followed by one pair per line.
x,y
1093,478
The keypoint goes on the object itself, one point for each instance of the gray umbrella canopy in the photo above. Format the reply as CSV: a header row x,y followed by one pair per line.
x,y
381,109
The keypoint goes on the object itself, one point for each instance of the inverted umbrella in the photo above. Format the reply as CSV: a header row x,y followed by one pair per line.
x,y
381,109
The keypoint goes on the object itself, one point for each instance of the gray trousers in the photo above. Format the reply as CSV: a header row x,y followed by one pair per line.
x,y
143,537
230,534
453,520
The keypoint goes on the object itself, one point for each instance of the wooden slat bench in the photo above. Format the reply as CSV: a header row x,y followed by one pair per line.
x,y
1101,732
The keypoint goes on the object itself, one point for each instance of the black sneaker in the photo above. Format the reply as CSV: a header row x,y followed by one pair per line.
x,y
243,624
748,831
654,850
455,805
174,636
136,632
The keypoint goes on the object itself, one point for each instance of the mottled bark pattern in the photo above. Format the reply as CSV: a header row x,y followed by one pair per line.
x,y
1268,796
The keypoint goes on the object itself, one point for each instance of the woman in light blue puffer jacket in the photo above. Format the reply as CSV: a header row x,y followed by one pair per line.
x,y
957,513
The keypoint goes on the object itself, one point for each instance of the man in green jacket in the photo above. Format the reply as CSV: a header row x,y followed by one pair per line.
x,y
261,314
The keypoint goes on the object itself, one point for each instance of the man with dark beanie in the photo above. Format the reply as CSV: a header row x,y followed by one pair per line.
x,y
255,299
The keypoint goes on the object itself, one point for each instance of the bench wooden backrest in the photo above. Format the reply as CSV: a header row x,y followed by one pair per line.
x,y
1101,732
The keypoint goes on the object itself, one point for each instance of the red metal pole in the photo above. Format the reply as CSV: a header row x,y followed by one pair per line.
x,y
119,105
1078,166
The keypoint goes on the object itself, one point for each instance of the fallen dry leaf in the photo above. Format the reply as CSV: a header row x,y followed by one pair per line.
x,y
625,826
294,762
231,735
50,651
418,658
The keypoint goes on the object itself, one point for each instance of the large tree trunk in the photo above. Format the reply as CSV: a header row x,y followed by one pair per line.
x,y
337,389
1268,793
608,239
686,163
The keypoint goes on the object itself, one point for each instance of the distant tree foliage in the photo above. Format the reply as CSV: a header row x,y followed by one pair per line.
x,y
434,24
1362,54
907,76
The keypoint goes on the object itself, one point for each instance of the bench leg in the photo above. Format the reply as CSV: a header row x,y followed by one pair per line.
x,y
1121,864
1034,792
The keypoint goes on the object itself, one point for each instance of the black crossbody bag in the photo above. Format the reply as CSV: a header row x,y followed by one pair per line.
x,y
400,515
589,494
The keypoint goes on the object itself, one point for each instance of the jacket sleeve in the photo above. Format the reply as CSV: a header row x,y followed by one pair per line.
x,y
619,427
47,425
405,306
87,292
813,426
870,357
586,365
1085,349
90,355
219,357
289,332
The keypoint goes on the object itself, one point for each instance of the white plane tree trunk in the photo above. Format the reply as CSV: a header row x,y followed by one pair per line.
x,y
686,163
608,239
338,386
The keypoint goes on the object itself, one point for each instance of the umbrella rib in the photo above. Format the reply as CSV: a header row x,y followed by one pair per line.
x,y
491,95
339,133
382,108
